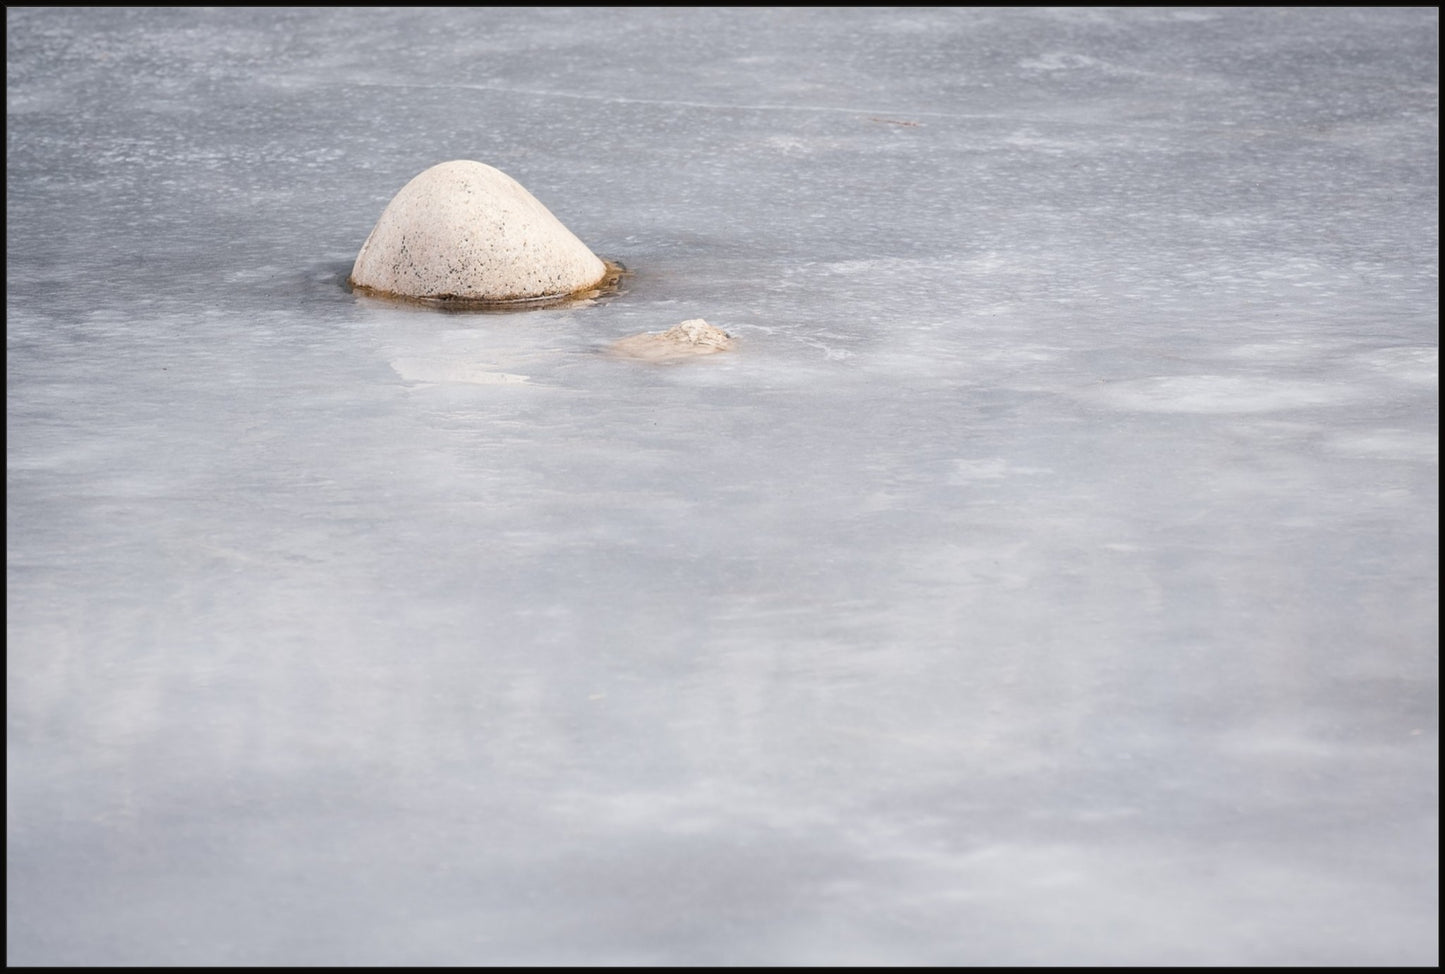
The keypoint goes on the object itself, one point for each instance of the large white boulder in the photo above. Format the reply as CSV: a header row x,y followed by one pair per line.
x,y
464,230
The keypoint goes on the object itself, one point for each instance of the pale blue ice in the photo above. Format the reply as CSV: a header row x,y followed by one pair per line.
x,y
1049,576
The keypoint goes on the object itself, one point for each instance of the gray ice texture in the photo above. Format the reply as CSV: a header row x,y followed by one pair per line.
x,y
1049,575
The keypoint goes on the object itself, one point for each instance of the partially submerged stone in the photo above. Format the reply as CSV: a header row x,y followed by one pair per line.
x,y
691,338
465,232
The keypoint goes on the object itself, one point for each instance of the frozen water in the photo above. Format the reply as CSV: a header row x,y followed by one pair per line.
x,y
1050,575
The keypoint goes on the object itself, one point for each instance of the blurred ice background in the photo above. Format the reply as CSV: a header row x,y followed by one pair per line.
x,y
1050,576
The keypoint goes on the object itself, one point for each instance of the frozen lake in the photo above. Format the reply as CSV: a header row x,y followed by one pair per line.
x,y
1049,576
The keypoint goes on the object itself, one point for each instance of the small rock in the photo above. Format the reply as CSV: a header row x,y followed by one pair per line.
x,y
691,338
465,231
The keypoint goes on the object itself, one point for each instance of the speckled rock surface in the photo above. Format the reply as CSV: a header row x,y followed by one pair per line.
x,y
467,231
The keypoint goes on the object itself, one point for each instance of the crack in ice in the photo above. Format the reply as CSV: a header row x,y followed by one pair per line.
x,y
672,103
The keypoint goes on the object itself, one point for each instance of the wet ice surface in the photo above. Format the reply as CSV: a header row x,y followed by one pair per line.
x,y
1049,576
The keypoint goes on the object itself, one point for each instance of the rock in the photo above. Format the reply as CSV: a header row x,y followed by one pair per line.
x,y
691,338
467,232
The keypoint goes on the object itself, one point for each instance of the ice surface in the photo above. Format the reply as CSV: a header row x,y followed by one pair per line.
x,y
1050,575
